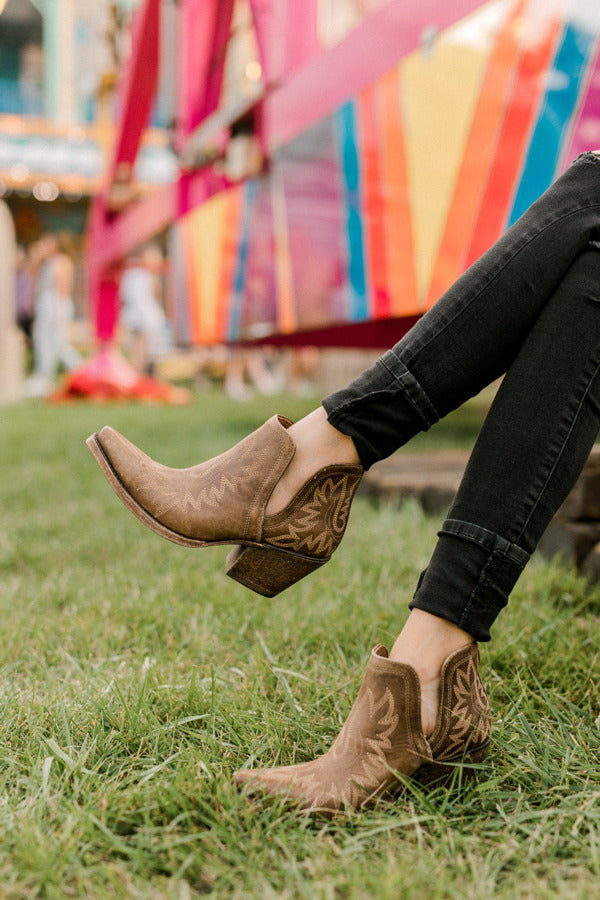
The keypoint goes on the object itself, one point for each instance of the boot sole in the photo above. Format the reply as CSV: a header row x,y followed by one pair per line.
x,y
263,568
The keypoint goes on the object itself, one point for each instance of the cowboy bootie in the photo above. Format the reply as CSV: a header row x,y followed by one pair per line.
x,y
223,501
382,739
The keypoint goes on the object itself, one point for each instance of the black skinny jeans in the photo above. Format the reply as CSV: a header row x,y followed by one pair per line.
x,y
528,309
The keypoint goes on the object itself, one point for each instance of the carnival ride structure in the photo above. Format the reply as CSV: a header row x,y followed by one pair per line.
x,y
388,162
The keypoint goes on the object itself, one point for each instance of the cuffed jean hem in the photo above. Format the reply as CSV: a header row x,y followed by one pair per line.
x,y
363,408
470,577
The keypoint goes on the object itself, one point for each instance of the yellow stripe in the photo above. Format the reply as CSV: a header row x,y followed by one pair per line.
x,y
440,96
208,224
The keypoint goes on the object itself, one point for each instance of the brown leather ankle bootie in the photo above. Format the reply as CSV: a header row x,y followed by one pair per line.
x,y
223,501
383,737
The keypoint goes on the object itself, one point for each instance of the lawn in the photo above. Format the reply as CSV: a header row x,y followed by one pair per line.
x,y
135,678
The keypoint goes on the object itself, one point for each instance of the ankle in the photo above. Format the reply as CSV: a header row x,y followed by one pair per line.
x,y
319,441
318,444
425,642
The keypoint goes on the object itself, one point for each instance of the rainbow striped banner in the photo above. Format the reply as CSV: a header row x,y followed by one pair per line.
x,y
376,210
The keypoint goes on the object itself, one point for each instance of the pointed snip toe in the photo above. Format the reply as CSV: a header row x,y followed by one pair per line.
x,y
382,740
223,501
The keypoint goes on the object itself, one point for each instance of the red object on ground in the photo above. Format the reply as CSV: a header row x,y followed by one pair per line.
x,y
109,377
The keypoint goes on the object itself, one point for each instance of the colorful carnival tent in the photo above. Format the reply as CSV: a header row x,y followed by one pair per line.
x,y
392,159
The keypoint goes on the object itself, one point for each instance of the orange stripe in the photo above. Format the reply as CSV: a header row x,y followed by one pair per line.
x,y
286,309
512,143
193,287
373,206
476,159
214,223
229,252
196,265
396,198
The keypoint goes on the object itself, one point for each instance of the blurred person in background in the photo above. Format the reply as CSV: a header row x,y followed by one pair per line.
x,y
301,367
248,370
53,270
142,314
24,311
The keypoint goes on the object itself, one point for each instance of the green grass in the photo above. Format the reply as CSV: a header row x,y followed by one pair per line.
x,y
135,678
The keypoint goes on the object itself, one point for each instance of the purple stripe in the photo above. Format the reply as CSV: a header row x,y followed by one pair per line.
x,y
586,132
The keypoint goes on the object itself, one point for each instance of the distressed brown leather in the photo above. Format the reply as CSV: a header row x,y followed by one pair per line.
x,y
224,500
314,522
383,736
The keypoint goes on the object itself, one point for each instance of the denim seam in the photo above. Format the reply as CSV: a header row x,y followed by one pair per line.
x,y
469,605
560,452
511,259
487,539
413,390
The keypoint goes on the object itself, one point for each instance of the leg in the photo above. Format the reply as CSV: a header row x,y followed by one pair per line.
x,y
44,349
139,352
68,356
532,447
467,584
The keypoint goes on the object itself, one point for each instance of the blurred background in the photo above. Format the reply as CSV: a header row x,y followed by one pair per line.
x,y
261,196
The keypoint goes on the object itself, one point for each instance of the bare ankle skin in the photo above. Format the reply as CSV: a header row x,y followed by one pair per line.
x,y
424,643
318,444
